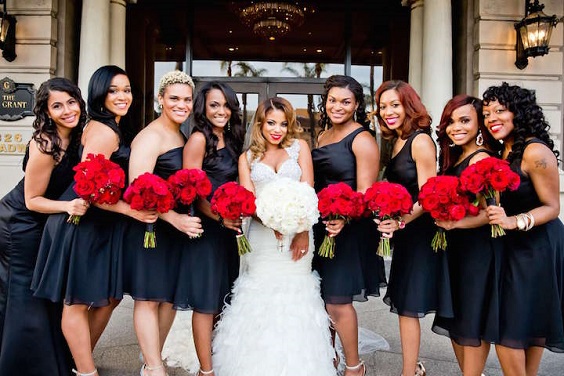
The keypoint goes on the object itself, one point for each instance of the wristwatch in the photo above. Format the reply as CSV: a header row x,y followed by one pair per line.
x,y
521,224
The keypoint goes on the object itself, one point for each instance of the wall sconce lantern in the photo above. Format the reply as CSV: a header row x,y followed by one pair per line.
x,y
7,35
533,33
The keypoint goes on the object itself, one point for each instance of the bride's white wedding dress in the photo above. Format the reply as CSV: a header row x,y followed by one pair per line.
x,y
276,323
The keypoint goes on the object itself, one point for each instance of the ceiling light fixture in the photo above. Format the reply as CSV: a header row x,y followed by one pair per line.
x,y
272,19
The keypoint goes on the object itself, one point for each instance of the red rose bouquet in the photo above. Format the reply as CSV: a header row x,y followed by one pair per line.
x,y
387,201
488,177
188,184
232,201
338,201
149,192
443,198
97,181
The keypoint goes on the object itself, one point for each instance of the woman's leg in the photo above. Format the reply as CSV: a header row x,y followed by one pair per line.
x,y
475,359
146,322
346,325
99,318
202,327
76,329
513,361
533,356
459,354
166,318
410,335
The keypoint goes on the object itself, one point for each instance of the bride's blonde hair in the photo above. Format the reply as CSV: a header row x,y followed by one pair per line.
x,y
258,142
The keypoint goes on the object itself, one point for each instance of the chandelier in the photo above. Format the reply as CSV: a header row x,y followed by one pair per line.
x,y
272,19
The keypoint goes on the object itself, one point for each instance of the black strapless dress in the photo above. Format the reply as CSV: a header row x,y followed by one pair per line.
x,y
151,274
532,284
31,340
210,264
356,271
419,279
474,260
81,264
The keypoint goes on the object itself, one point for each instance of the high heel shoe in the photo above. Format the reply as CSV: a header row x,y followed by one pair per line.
x,y
85,374
420,370
146,367
357,367
202,372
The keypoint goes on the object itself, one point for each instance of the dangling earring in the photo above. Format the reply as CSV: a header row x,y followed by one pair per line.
x,y
479,138
160,106
452,145
228,126
354,116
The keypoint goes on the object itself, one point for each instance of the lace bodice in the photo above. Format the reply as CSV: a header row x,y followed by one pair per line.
x,y
262,173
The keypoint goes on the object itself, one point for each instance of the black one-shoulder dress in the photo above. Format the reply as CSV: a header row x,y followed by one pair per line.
x,y
356,271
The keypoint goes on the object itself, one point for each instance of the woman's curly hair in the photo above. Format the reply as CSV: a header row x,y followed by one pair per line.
x,y
234,137
528,118
346,82
45,130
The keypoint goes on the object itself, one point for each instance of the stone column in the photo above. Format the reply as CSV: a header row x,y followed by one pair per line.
x,y
94,40
415,43
117,32
436,82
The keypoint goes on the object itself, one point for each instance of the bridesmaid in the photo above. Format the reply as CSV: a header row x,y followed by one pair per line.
x,y
210,264
151,274
474,257
81,264
346,152
419,282
31,340
532,284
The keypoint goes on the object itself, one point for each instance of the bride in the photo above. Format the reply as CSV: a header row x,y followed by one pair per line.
x,y
276,323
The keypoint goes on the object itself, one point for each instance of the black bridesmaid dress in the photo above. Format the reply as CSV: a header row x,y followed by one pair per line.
x,y
81,264
31,340
419,279
210,264
532,284
474,260
356,271
150,274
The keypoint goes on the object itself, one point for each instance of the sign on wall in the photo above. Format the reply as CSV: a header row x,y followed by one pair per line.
x,y
16,100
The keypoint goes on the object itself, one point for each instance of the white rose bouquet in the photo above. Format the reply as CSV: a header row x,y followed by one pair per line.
x,y
287,206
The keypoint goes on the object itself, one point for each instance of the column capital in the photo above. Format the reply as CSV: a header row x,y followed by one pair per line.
x,y
412,3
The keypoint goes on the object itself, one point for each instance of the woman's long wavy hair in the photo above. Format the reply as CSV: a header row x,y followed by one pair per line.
x,y
98,88
448,155
346,82
45,130
416,115
234,137
528,118
258,142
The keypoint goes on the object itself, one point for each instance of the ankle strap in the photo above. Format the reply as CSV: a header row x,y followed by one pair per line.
x,y
355,368
85,374
205,372
145,366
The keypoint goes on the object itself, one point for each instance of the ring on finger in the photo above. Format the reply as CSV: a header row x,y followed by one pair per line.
x,y
303,251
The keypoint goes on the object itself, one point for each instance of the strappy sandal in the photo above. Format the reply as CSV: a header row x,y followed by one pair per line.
x,y
202,372
420,370
357,367
146,367
85,374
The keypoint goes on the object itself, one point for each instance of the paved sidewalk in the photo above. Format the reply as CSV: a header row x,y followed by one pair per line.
x,y
117,352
